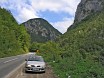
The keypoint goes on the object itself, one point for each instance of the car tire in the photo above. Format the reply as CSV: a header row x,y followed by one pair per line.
x,y
44,71
26,71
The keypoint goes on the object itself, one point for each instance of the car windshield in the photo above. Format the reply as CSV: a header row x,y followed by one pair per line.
x,y
36,58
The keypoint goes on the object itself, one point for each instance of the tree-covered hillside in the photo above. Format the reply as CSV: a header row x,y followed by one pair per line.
x,y
79,53
13,37
41,30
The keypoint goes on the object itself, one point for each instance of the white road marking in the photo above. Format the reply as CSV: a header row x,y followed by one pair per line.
x,y
10,60
17,76
14,71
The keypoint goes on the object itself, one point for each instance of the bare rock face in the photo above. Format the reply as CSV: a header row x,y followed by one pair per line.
x,y
40,30
86,7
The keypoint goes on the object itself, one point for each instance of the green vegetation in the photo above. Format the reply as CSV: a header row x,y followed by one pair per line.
x,y
41,30
79,53
13,37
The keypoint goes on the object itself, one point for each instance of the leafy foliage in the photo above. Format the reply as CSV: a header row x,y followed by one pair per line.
x,y
13,37
79,53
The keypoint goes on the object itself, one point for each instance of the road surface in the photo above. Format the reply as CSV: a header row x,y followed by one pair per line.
x,y
13,67
8,64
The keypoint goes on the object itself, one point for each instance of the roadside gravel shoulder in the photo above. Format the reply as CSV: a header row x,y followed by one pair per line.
x,y
20,73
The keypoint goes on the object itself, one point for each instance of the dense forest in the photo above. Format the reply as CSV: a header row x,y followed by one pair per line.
x,y
13,37
79,53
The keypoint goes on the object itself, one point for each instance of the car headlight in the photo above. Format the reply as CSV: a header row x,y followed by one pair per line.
x,y
28,65
43,66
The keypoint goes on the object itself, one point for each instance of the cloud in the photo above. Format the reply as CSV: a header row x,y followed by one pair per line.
x,y
63,25
2,1
24,10
68,6
43,5
26,14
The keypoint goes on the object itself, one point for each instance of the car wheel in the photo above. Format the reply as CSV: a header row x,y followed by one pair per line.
x,y
26,71
44,71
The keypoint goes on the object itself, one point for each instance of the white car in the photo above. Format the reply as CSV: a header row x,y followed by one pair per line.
x,y
35,64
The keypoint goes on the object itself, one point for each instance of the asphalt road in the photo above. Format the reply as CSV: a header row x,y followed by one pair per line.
x,y
8,64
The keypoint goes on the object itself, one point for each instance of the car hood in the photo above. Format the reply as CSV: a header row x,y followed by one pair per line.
x,y
35,63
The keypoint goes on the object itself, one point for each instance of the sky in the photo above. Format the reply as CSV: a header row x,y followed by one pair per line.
x,y
59,13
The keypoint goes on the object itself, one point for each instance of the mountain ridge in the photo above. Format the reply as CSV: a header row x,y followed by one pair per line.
x,y
40,30
85,9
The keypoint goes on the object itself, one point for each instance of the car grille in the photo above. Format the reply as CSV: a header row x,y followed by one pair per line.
x,y
32,66
38,66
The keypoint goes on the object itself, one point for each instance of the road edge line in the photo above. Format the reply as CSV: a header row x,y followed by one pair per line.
x,y
12,72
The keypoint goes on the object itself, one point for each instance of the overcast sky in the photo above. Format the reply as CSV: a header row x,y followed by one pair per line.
x,y
60,13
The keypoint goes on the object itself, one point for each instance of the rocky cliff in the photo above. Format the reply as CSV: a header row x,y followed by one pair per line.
x,y
86,7
40,30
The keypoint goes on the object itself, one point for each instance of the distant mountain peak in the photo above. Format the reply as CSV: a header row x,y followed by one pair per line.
x,y
40,30
86,7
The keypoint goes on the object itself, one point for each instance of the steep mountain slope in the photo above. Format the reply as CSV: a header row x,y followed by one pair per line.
x,y
40,30
13,37
85,8
79,53
84,47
